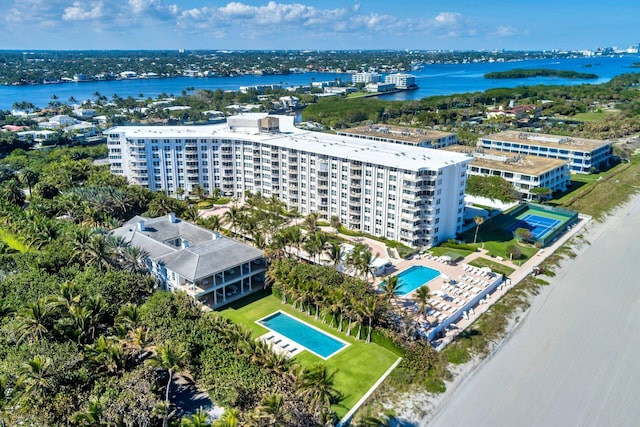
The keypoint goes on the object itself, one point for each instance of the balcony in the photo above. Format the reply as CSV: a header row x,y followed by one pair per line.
x,y
135,144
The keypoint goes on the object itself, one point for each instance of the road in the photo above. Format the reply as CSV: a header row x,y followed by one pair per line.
x,y
574,360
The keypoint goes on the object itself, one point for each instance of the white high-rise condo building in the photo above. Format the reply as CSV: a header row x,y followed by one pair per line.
x,y
411,194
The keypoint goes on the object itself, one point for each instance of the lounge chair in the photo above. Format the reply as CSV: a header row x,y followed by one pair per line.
x,y
293,349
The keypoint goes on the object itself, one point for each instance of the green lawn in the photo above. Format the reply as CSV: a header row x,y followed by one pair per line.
x,y
359,365
494,266
493,237
441,250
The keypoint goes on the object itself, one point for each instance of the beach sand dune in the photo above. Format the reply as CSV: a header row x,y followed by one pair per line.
x,y
575,358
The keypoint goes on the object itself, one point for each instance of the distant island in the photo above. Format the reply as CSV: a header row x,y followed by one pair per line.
x,y
538,72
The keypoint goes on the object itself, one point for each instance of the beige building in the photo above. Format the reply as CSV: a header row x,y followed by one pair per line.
x,y
581,153
524,172
416,137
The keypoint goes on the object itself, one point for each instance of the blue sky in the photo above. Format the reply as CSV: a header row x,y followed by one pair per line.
x,y
327,24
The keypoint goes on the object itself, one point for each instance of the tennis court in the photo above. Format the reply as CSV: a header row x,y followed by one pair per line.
x,y
538,225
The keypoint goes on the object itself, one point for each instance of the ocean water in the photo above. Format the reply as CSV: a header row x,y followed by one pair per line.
x,y
433,79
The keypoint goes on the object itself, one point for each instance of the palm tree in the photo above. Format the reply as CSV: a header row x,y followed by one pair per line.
x,y
12,192
339,297
99,252
129,316
422,297
358,314
371,421
364,261
169,357
81,238
138,342
335,223
233,217
134,259
91,417
28,177
198,191
311,222
272,411
32,319
107,353
317,387
369,311
230,418
191,214
34,377
199,419
211,222
335,253
479,221
294,237
68,295
390,287
5,402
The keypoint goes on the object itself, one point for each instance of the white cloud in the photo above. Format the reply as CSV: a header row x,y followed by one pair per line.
x,y
78,13
505,31
448,19
238,20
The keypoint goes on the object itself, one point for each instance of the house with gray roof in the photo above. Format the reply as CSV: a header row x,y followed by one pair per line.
x,y
211,268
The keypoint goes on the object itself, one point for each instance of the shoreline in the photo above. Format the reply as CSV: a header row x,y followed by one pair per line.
x,y
421,408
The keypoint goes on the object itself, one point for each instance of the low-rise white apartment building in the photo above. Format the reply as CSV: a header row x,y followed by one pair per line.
x,y
581,153
417,137
366,77
401,80
410,194
210,268
524,172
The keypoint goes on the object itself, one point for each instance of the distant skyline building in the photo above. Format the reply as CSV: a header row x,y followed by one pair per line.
x,y
410,194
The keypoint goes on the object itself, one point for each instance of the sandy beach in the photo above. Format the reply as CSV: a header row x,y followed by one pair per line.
x,y
574,359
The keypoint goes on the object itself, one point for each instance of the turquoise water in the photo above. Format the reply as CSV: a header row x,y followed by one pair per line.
x,y
310,338
433,79
414,277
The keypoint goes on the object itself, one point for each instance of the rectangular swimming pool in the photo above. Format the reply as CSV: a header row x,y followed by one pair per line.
x,y
311,338
412,278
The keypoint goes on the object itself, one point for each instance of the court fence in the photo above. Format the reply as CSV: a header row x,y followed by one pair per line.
x,y
569,219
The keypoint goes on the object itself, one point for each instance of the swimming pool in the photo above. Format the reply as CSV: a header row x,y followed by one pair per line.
x,y
313,339
412,278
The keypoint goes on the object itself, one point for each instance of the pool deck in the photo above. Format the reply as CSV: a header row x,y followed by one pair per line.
x,y
446,309
281,344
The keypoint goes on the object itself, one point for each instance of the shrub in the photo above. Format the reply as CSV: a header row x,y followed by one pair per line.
x,y
456,354
514,252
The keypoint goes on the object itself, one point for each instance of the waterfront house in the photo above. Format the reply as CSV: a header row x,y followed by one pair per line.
x,y
212,269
